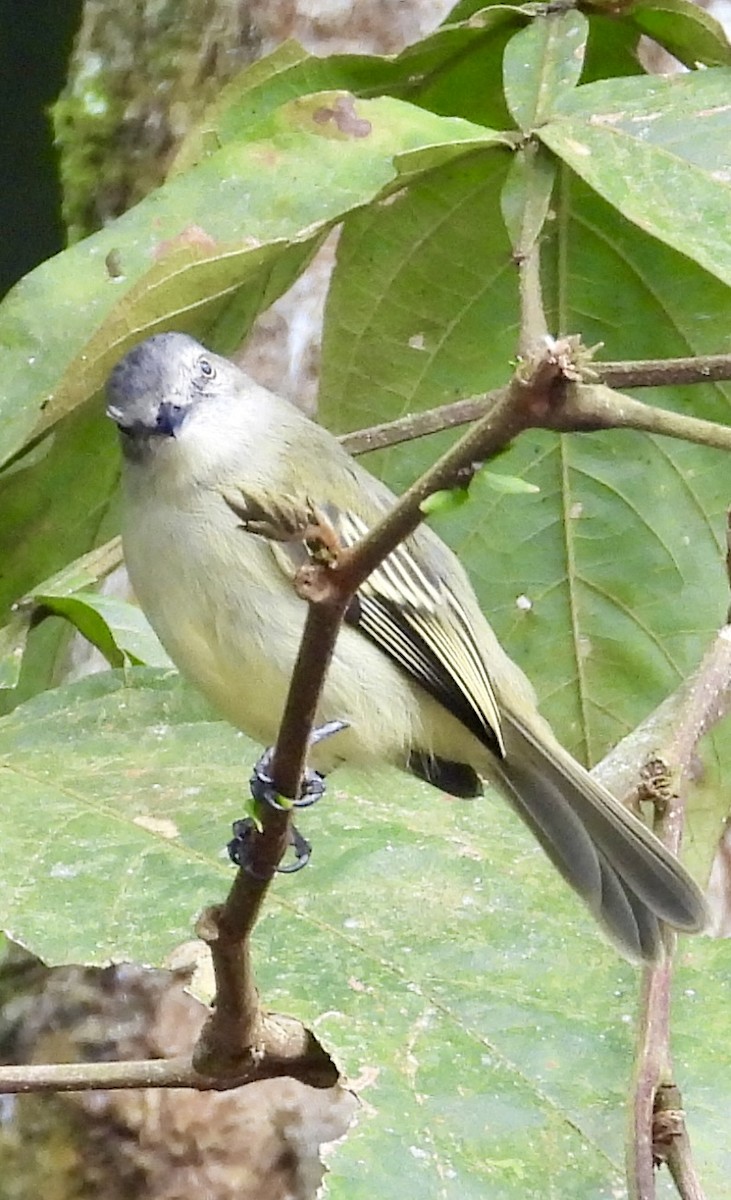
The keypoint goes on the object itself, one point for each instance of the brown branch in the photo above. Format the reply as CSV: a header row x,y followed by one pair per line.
x,y
318,642
290,1055
416,425
236,1040
650,373
685,718
664,372
651,1067
591,407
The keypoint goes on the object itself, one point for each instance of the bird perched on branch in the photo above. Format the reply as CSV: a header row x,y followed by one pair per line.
x,y
417,674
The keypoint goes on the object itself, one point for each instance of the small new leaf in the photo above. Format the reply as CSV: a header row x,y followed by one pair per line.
x,y
507,485
444,501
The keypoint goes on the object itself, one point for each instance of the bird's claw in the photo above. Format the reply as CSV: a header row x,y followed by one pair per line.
x,y
239,849
312,787
264,792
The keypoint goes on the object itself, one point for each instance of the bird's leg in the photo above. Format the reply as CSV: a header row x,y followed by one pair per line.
x,y
263,791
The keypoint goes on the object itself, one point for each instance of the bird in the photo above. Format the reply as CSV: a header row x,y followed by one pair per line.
x,y
418,679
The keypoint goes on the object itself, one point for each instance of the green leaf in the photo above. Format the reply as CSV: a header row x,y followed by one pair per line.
x,y
429,945
611,50
506,485
456,70
703,838
621,556
58,505
541,62
83,572
444,501
685,30
118,629
422,308
444,72
658,150
80,610
282,184
526,196
468,10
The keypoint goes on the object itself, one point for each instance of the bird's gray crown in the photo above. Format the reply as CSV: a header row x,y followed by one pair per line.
x,y
151,389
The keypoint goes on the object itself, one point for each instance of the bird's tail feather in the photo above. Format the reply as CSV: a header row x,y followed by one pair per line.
x,y
626,877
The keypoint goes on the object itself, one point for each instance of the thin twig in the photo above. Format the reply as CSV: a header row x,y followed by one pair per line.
x,y
233,1039
421,424
649,373
594,407
651,1066
315,652
664,372
171,1072
703,701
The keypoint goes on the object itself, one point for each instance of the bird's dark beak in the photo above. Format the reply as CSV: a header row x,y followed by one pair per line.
x,y
148,418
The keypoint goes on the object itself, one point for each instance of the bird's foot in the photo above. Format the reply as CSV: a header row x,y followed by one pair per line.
x,y
263,791
239,849
313,782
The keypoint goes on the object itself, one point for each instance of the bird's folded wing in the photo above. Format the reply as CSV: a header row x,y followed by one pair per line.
x,y
414,618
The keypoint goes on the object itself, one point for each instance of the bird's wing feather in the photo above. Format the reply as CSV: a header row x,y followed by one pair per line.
x,y
414,618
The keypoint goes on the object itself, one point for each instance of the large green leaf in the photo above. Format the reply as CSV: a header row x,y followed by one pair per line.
x,y
423,305
608,585
659,150
249,214
429,944
444,72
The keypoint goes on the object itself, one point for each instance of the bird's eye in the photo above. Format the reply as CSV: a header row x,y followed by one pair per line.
x,y
205,367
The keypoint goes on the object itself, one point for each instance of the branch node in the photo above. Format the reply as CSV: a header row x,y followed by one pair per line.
x,y
657,784
668,1122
